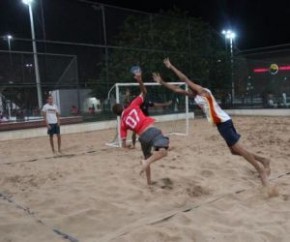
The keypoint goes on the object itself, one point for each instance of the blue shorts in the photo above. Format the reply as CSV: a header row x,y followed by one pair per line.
x,y
54,129
152,137
228,132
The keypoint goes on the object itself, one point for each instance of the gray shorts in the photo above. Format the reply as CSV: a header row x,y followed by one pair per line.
x,y
153,138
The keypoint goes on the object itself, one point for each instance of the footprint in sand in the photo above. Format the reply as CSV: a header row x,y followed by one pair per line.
x,y
32,160
207,173
63,155
167,183
172,167
285,197
197,191
91,151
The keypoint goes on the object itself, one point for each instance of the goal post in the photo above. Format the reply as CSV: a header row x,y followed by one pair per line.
x,y
170,110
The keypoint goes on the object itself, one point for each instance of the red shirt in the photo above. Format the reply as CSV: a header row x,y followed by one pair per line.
x,y
133,118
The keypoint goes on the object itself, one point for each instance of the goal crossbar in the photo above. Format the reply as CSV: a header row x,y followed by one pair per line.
x,y
117,142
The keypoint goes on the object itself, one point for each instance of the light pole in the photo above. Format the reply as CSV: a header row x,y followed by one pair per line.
x,y
8,38
102,8
229,34
36,69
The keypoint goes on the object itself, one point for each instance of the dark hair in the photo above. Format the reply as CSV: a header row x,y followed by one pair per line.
x,y
117,109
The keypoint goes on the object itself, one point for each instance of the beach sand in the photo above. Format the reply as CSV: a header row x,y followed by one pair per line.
x,y
94,192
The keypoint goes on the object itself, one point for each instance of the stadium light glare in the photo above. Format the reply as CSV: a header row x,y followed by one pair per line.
x,y
36,69
8,38
27,2
231,35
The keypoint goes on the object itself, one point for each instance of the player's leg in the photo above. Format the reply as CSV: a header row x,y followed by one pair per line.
x,y
57,132
237,148
59,142
157,155
51,143
50,133
146,149
161,144
230,135
264,161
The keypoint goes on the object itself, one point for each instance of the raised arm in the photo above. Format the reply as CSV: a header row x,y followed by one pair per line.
x,y
138,78
157,78
199,89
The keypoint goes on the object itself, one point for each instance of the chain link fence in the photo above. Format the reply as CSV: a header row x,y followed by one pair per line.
x,y
84,48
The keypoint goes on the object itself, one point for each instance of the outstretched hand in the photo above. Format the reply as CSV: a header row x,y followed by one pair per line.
x,y
156,77
167,63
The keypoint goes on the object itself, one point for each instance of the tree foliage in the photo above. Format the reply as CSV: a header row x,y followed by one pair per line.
x,y
190,43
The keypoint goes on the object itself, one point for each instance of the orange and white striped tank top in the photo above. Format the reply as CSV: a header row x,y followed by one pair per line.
x,y
211,108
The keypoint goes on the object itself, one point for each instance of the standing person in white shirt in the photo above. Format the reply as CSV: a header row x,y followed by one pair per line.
x,y
52,120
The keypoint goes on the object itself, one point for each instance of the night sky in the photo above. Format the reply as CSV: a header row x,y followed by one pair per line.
x,y
257,23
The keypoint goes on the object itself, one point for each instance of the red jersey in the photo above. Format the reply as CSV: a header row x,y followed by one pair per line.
x,y
134,119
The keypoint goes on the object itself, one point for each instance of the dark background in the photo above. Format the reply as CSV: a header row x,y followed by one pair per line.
x,y
257,23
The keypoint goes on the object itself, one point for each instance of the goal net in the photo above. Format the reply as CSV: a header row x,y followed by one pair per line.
x,y
170,110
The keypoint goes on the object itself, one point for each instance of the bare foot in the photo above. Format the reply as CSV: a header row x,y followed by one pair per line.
x,y
144,166
273,192
270,191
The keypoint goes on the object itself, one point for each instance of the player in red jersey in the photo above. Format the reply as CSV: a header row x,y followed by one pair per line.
x,y
133,118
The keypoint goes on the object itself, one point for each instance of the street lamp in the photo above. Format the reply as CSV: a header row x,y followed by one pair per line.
x,y
36,69
8,38
229,34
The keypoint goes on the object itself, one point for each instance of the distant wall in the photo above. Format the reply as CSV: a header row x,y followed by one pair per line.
x,y
86,127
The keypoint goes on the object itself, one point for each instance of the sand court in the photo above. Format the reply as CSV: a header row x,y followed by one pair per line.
x,y
93,192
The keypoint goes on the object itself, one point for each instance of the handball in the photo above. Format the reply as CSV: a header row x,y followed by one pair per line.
x,y
136,70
